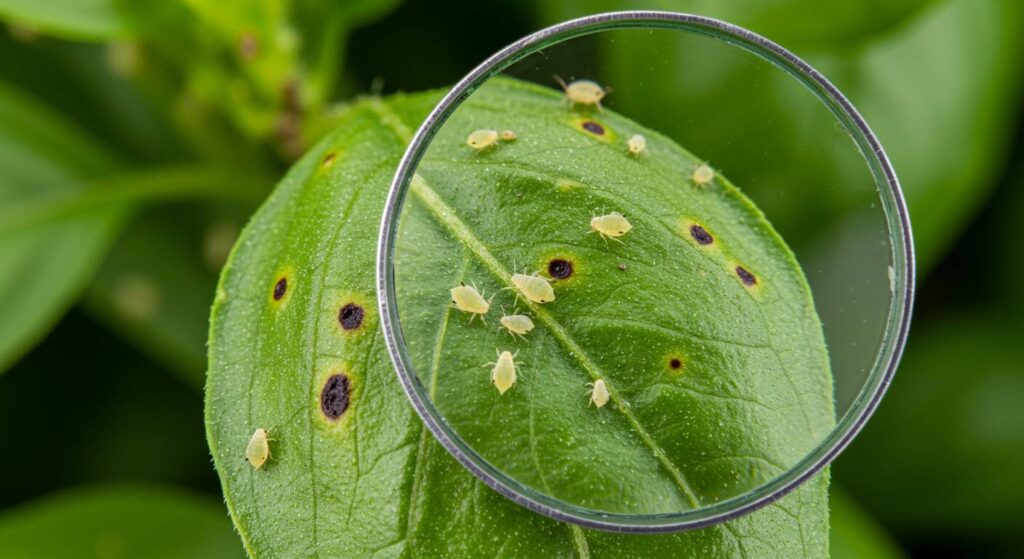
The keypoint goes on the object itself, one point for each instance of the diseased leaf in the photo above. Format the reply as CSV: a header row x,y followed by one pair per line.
x,y
127,522
368,480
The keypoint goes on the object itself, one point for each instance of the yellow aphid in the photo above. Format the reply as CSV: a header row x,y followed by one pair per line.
x,y
468,299
258,449
517,324
702,175
508,135
503,375
482,139
583,92
637,144
610,226
534,288
599,394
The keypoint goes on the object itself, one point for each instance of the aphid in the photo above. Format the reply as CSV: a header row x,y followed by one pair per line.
x,y
583,92
702,175
599,394
610,226
503,375
482,139
468,299
508,135
534,288
517,324
258,450
637,144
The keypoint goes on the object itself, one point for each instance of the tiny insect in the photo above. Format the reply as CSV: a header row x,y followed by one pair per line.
x,y
599,394
468,299
517,324
503,375
508,135
534,288
702,175
610,226
637,144
482,139
258,450
583,92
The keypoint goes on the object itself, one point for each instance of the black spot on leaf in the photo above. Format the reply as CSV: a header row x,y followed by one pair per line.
x,y
745,276
701,235
334,398
560,268
351,316
280,288
675,363
593,127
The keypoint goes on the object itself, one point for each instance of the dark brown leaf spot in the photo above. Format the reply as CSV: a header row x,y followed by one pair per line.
x,y
334,398
701,235
351,316
593,127
675,363
560,268
328,160
280,288
745,276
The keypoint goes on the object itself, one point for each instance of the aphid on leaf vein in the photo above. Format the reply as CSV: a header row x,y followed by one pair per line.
x,y
534,288
503,375
258,450
599,394
583,92
637,144
508,136
610,226
482,139
517,324
702,175
468,299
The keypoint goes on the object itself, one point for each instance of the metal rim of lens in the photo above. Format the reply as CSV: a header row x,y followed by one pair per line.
x,y
863,406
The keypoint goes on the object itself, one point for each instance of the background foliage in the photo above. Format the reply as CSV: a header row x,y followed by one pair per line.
x,y
135,142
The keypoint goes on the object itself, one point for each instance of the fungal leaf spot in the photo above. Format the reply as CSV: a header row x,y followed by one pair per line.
x,y
350,316
328,160
745,276
335,395
701,235
594,128
560,268
280,289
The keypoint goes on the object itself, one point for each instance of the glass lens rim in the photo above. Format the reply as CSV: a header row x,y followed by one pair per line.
x,y
863,406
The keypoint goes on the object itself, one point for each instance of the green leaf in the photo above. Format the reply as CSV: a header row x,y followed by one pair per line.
x,y
43,264
375,482
854,534
93,20
951,420
118,521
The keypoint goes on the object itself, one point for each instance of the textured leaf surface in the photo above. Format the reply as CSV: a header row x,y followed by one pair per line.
x,y
750,393
118,521
373,483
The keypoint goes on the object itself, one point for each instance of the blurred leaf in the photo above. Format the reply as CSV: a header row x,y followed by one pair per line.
x,y
118,521
854,534
43,264
942,456
94,20
787,21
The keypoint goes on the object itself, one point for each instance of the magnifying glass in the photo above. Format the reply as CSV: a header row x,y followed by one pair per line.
x,y
645,271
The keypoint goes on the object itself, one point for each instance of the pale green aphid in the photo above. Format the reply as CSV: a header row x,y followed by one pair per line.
x,y
610,226
702,175
599,394
482,139
508,136
258,450
517,324
503,375
468,299
534,288
583,92
637,144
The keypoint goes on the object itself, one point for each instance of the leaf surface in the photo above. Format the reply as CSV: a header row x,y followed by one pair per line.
x,y
373,482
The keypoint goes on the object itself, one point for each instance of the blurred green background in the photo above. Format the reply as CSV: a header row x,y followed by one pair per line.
x,y
136,138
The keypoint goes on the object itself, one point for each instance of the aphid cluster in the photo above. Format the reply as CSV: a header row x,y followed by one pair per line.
x,y
483,139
